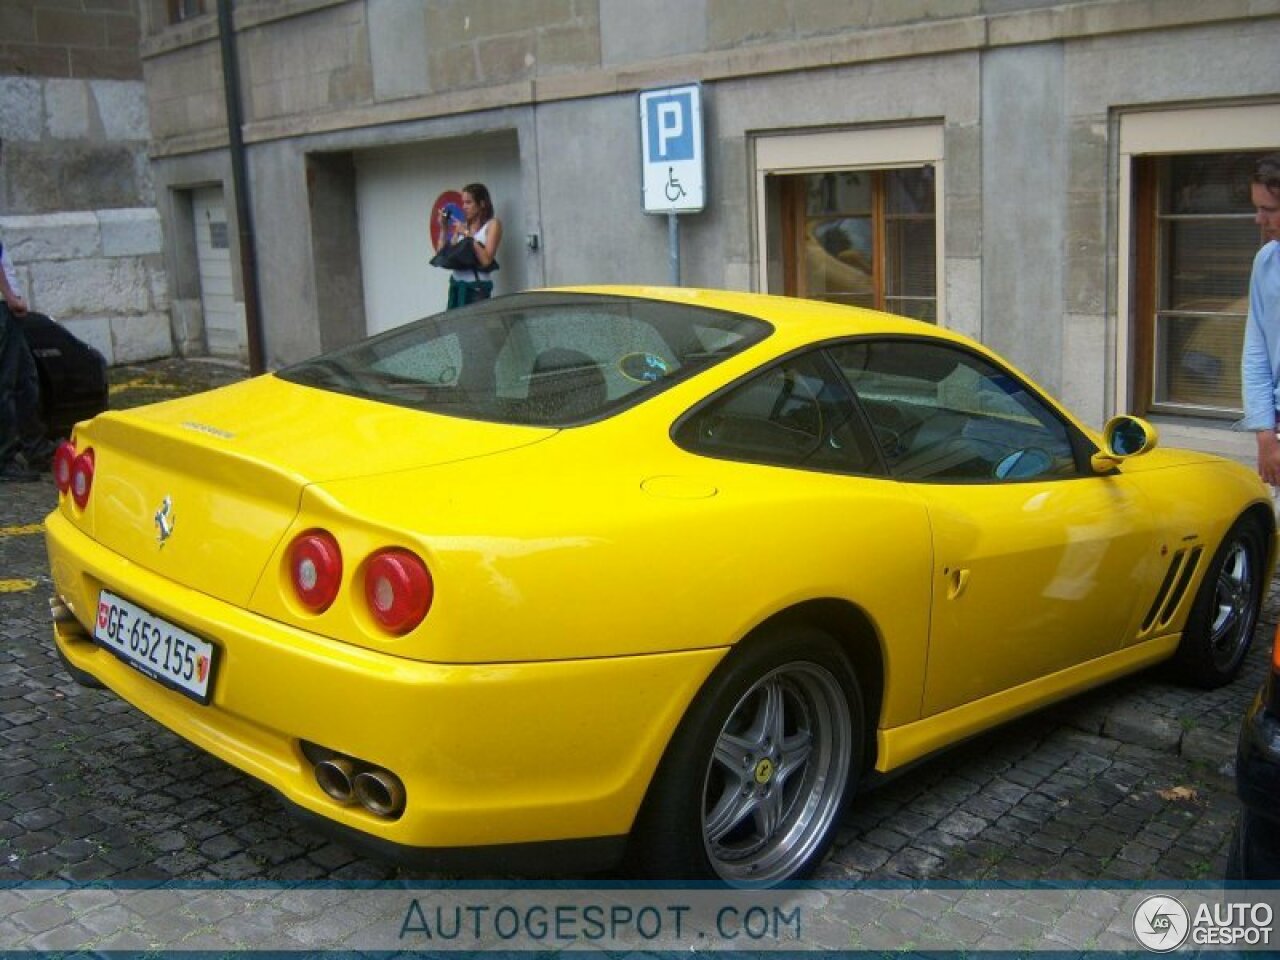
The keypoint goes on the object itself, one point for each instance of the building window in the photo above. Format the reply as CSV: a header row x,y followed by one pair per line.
x,y
862,237
1194,245
180,10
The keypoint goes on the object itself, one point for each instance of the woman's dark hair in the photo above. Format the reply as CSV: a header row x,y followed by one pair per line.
x,y
1267,173
480,194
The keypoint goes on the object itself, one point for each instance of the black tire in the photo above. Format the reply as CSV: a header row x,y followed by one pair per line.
x,y
1235,860
1254,854
1220,626
761,768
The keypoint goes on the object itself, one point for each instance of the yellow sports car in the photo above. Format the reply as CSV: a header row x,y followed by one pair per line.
x,y
668,573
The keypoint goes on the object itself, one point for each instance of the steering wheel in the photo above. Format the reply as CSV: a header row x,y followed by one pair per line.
x,y
891,441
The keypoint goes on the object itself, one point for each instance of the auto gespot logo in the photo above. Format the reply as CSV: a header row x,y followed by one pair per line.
x,y
1162,924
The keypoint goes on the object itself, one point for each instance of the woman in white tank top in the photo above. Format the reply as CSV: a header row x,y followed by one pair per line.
x,y
485,230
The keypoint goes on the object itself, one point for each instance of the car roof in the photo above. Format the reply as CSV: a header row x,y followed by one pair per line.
x,y
799,322
794,319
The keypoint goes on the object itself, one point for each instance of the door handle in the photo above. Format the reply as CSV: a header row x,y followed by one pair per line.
x,y
956,583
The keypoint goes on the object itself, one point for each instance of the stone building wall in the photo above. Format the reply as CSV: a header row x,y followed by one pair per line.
x,y
70,39
77,198
100,273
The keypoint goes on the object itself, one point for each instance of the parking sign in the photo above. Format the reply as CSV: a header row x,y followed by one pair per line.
x,y
671,157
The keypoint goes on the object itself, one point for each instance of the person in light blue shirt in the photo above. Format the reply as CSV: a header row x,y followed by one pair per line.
x,y
1260,363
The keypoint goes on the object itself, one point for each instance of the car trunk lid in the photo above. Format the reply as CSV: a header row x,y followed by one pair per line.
x,y
201,489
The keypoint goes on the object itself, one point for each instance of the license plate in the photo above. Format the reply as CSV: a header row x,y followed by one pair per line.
x,y
155,646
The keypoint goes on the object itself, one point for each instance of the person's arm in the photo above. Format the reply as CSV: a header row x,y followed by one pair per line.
x,y
17,306
1268,457
1258,379
444,231
485,252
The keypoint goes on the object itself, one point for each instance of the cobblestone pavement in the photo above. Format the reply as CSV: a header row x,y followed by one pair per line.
x,y
1130,782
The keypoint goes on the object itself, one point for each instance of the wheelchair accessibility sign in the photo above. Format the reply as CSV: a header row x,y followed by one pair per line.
x,y
671,159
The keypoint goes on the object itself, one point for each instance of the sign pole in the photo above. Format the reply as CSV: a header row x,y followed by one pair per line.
x,y
673,246
672,167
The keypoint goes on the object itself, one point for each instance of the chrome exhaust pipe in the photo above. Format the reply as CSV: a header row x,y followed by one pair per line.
x,y
380,792
335,775
59,611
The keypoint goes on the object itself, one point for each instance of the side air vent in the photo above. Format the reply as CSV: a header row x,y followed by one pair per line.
x,y
1182,567
1184,579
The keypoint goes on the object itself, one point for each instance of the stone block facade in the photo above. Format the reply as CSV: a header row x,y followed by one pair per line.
x,y
77,200
70,39
101,274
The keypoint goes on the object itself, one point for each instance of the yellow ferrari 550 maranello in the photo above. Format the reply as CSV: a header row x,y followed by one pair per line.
x,y
573,575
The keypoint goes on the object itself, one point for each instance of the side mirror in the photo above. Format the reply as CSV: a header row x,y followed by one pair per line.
x,y
1123,437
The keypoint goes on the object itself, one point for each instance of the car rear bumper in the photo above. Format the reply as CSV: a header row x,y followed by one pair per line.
x,y
489,754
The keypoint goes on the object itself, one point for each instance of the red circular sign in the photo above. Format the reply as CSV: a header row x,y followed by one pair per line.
x,y
448,198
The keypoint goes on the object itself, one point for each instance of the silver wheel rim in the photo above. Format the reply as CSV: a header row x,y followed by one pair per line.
x,y
1233,607
777,775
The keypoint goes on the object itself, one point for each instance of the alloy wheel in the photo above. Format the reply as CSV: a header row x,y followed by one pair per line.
x,y
1234,604
777,775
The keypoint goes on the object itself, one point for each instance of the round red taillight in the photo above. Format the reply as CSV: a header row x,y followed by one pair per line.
x,y
82,478
315,569
63,459
398,589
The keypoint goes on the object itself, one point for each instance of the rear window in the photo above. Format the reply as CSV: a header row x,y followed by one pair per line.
x,y
539,359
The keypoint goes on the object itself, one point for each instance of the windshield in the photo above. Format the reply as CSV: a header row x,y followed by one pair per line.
x,y
540,359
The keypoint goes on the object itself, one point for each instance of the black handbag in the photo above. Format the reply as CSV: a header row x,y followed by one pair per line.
x,y
461,256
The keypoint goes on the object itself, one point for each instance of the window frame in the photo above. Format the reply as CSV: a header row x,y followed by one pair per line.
x,y
1148,133
807,151
1151,272
181,11
793,195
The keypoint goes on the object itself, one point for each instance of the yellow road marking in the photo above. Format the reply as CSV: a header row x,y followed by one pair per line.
x,y
142,382
16,586
22,531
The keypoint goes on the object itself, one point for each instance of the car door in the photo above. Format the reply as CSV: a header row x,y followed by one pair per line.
x,y
840,526
1038,563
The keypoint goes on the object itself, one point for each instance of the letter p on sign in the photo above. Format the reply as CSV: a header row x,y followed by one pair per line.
x,y
672,135
670,127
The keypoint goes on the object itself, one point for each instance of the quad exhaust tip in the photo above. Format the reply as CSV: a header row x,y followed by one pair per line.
x,y
335,777
59,611
380,792
351,781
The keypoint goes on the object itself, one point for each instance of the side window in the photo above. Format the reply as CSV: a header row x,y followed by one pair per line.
x,y
794,414
940,413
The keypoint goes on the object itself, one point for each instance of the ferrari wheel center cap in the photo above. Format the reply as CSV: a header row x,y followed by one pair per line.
x,y
764,771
